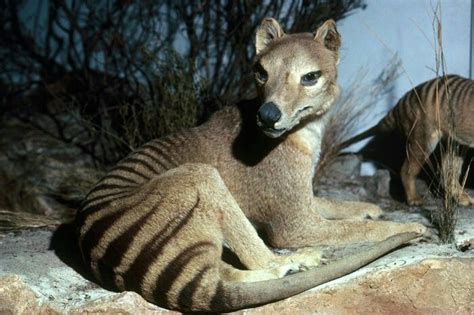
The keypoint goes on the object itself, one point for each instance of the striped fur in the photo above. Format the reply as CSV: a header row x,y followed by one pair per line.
x,y
426,115
158,222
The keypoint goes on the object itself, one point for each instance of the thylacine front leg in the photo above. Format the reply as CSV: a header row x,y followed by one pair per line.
x,y
355,210
308,228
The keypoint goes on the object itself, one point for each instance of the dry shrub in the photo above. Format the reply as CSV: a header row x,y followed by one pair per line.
x,y
449,189
449,169
40,174
172,105
52,151
353,109
99,78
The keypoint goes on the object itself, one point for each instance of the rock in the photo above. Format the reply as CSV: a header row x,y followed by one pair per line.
x,y
382,179
439,286
123,303
16,297
421,278
344,167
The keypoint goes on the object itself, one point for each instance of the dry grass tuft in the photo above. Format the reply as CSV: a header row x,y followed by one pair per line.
x,y
446,214
449,169
353,109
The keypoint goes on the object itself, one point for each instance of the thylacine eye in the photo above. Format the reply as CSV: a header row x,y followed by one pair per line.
x,y
260,74
310,78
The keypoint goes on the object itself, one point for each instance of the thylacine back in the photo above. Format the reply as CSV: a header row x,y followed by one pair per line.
x,y
425,115
158,222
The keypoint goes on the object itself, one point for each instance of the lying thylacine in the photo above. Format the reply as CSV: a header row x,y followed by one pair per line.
x,y
158,222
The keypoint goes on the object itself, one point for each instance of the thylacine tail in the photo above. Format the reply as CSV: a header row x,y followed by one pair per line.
x,y
361,136
386,124
234,296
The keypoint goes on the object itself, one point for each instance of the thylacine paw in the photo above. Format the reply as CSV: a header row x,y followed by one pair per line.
x,y
305,257
288,269
364,210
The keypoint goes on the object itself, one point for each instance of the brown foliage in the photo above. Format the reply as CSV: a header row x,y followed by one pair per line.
x,y
352,110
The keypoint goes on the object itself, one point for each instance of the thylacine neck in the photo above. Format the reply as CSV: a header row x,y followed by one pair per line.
x,y
308,137
251,145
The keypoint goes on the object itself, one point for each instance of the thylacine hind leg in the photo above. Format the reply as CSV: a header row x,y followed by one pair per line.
x,y
218,205
337,210
420,145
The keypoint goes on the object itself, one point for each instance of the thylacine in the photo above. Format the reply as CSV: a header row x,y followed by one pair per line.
x,y
158,222
425,115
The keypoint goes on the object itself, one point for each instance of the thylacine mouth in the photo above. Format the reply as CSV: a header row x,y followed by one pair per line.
x,y
273,132
270,130
303,110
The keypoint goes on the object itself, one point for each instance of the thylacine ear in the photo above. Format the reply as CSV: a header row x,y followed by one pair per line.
x,y
328,35
268,31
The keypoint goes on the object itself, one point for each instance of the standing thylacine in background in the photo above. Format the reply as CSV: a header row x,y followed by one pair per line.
x,y
426,115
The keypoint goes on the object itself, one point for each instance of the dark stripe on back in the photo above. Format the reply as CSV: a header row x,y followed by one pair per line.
x,y
120,178
153,248
454,86
172,143
175,267
155,160
143,163
119,246
161,142
105,186
95,233
425,90
465,92
97,230
443,89
218,301
185,298
165,156
126,168
83,213
129,169
115,196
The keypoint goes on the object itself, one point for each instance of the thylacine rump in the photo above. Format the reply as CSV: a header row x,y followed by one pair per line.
x,y
425,115
158,222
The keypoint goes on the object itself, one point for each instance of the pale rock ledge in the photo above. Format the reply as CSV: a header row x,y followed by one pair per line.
x,y
422,278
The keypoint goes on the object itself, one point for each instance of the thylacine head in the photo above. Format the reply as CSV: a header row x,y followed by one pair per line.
x,y
295,74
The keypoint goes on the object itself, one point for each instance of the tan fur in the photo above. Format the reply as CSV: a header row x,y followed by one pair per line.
x,y
158,222
425,115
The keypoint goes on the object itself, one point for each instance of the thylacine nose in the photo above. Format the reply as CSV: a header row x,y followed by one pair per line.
x,y
269,114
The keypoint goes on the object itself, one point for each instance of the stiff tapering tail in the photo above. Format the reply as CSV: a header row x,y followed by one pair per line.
x,y
236,296
368,133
